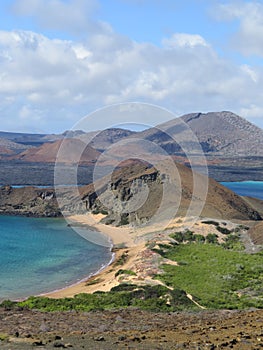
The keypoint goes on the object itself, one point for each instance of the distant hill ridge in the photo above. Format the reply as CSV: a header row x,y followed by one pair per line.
x,y
226,133
219,134
74,151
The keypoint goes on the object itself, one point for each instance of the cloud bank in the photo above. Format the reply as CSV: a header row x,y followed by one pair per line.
x,y
48,84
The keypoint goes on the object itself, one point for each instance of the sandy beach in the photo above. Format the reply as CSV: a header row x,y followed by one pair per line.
x,y
118,235
105,279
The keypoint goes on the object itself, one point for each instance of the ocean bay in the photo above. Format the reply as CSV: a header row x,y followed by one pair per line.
x,y
43,254
246,188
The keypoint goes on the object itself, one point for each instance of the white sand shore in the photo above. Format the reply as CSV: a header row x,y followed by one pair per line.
x,y
120,236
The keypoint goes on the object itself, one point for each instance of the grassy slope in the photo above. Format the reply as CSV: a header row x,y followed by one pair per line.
x,y
216,277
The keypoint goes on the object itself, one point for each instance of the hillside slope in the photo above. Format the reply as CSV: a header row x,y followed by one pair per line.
x,y
28,201
219,134
72,149
225,133
117,195
135,194
8,147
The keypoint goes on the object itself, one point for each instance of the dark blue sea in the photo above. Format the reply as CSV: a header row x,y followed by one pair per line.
x,y
246,188
41,255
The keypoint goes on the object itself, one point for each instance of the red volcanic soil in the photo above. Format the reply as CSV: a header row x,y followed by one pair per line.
x,y
5,151
63,151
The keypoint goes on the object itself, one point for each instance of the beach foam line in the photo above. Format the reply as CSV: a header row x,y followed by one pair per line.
x,y
83,280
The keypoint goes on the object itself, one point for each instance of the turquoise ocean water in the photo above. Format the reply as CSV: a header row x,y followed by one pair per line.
x,y
41,255
246,188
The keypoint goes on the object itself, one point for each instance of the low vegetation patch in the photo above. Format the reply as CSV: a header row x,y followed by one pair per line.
x,y
125,272
210,222
122,259
233,242
189,237
93,281
3,336
223,230
215,276
99,211
153,298
124,221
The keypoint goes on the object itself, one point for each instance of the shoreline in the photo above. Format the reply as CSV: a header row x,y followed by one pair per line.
x,y
131,253
122,240
119,239
83,280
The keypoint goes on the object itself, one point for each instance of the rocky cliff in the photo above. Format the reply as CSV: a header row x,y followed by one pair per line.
x,y
28,201
118,196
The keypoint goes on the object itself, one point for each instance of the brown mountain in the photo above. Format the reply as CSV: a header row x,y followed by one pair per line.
x,y
48,145
225,133
117,193
72,148
134,193
8,147
219,134
232,145
103,139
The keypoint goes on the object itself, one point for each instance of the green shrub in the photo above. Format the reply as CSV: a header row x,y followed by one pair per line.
x,y
223,230
122,259
125,272
104,212
210,222
199,239
233,242
189,236
154,298
95,211
124,221
8,304
211,238
3,336
93,281
178,236
181,237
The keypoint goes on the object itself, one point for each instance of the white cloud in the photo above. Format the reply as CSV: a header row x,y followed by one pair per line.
x,y
81,51
184,40
55,82
249,36
251,72
252,111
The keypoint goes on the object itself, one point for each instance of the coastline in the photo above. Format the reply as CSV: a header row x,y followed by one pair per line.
x,y
122,239
118,235
130,253
77,284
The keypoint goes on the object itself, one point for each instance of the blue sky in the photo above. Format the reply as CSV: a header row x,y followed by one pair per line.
x,y
62,59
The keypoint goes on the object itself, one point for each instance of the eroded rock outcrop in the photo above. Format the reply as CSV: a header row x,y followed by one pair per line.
x,y
29,201
135,193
